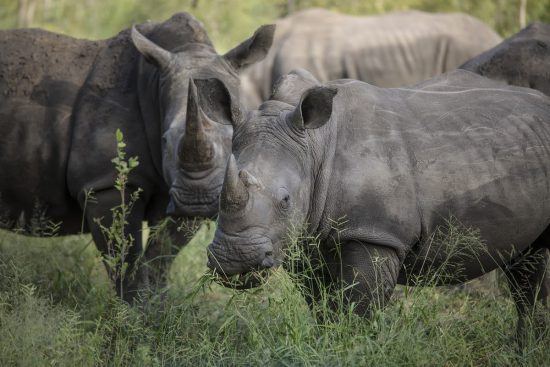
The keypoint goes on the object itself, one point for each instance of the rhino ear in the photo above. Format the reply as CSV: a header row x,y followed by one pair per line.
x,y
314,109
215,100
290,87
253,49
153,53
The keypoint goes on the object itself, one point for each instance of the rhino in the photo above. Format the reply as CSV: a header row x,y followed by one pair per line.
x,y
389,50
163,85
397,164
522,60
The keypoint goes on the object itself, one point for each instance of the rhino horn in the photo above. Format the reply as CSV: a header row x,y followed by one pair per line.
x,y
196,146
234,194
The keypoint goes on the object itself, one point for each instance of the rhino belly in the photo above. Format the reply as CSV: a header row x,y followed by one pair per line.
x,y
471,234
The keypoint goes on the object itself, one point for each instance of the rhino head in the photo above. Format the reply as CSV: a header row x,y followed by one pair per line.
x,y
198,101
271,176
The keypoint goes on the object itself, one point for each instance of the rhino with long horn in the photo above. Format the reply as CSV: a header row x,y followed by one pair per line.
x,y
81,92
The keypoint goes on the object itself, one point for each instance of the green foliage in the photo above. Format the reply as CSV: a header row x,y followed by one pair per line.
x,y
123,166
230,21
56,309
118,241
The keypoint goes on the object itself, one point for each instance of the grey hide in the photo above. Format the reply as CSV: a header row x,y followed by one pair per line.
x,y
396,164
389,50
522,60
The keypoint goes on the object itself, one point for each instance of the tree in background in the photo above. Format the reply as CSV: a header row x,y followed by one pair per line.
x,y
522,13
25,12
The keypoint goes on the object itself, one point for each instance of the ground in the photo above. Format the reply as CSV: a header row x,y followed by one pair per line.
x,y
57,308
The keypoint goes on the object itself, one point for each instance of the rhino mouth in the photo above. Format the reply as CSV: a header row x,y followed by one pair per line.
x,y
241,266
249,280
184,204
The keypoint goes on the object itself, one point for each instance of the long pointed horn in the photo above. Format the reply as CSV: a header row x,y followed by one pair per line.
x,y
234,194
195,147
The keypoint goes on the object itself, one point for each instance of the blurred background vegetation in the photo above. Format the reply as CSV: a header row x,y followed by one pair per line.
x,y
230,21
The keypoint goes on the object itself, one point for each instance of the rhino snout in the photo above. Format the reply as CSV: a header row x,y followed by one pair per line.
x,y
193,204
231,260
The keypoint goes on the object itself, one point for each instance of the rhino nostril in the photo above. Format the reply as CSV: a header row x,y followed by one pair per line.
x,y
267,263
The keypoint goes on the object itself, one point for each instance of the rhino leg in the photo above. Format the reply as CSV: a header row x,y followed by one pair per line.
x,y
163,247
373,272
314,276
365,273
528,282
135,276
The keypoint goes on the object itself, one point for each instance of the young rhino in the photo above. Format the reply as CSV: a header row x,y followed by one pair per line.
x,y
396,164
522,60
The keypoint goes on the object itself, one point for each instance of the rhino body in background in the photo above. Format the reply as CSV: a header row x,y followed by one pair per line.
x,y
522,60
62,100
396,164
388,50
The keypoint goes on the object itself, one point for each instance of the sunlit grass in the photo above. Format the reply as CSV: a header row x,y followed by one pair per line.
x,y
57,308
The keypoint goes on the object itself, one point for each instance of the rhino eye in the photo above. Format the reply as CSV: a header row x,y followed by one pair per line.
x,y
284,198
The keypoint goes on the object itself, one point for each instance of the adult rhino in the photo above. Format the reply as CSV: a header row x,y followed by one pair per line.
x,y
523,59
387,50
62,100
397,164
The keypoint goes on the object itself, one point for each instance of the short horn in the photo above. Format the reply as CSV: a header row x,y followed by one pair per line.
x,y
195,147
234,194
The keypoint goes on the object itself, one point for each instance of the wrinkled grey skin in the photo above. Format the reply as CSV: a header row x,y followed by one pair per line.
x,y
389,50
522,60
163,85
395,163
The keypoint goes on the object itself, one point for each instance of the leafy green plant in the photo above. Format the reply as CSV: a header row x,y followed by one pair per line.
x,y
118,241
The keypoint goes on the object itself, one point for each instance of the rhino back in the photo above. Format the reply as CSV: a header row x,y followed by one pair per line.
x,y
520,60
459,145
41,74
387,50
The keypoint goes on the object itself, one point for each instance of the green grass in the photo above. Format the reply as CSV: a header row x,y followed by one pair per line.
x,y
57,308
229,22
